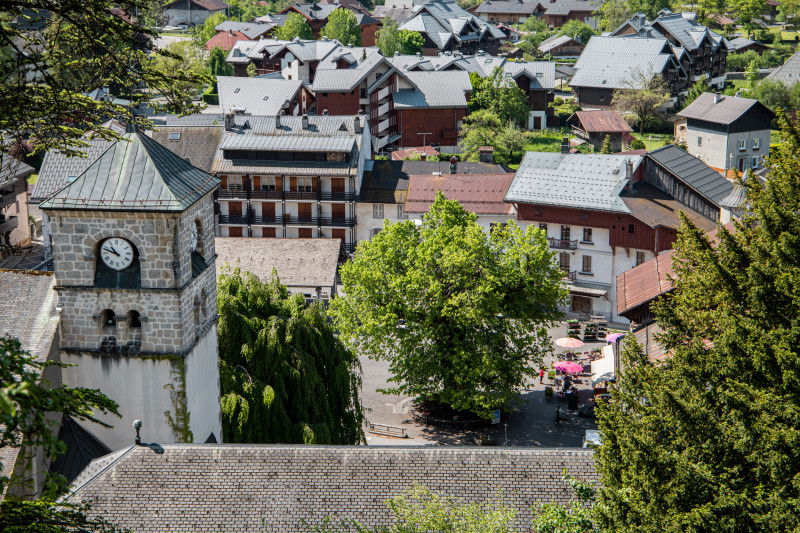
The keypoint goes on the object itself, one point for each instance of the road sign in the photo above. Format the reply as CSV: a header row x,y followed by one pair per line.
x,y
496,416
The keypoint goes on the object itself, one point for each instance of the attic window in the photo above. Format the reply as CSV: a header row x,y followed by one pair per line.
x,y
488,60
615,171
236,90
174,136
539,74
266,98
70,179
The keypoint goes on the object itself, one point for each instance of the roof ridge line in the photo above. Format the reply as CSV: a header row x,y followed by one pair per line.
x,y
95,476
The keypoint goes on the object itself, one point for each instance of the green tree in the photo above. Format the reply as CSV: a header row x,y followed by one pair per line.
x,y
26,400
285,377
576,27
247,10
387,40
483,128
296,26
217,66
80,36
645,96
536,24
501,95
751,75
746,11
460,313
574,517
343,26
186,57
205,32
411,42
606,148
615,13
773,94
699,87
251,70
709,440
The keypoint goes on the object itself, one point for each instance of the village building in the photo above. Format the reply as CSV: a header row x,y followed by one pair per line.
x,y
133,256
743,44
14,226
481,194
603,215
242,487
290,177
562,47
262,96
305,266
728,133
447,27
316,14
508,11
193,12
789,72
595,126
384,189
231,31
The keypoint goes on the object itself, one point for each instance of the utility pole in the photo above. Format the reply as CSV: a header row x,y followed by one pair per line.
x,y
424,137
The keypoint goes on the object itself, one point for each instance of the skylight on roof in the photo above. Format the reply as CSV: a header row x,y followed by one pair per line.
x,y
70,179
539,74
266,98
174,136
236,90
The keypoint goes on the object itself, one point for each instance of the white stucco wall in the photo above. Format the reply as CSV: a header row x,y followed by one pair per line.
x,y
202,369
715,148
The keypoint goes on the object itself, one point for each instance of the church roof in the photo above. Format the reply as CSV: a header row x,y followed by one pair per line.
x,y
135,174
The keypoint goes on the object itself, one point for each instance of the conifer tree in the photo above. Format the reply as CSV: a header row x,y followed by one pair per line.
x,y
606,148
708,441
285,377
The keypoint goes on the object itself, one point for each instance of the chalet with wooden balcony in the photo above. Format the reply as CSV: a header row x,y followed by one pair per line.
x,y
317,13
595,126
702,52
290,177
408,109
608,64
601,218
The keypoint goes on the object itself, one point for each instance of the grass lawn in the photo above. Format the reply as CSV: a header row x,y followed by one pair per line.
x,y
546,141
175,34
659,139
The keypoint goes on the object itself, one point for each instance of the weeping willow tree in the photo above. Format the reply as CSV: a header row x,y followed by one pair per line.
x,y
285,376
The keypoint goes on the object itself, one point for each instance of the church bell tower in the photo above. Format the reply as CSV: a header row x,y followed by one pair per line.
x,y
134,260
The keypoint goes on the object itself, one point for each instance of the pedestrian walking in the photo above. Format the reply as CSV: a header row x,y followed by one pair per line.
x,y
541,375
558,414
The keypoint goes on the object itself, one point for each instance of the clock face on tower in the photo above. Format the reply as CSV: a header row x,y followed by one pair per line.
x,y
116,253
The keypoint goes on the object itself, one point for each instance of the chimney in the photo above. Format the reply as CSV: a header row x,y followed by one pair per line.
x,y
453,165
629,170
304,122
277,122
486,154
716,98
357,124
423,156
565,145
228,121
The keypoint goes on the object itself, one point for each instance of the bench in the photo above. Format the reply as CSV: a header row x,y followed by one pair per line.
x,y
385,429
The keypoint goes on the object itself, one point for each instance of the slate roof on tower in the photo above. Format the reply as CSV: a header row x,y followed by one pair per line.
x,y
135,174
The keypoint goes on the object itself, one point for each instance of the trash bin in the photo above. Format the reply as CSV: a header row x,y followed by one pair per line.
x,y
572,401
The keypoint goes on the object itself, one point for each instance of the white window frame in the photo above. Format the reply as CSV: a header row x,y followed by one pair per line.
x,y
377,211
305,184
268,183
400,214
699,140
643,256
235,183
742,145
755,162
756,144
584,259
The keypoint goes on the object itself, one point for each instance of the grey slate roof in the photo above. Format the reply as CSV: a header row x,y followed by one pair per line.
x,y
445,88
610,62
28,309
386,182
789,72
256,96
57,168
541,73
580,181
12,169
237,488
398,14
565,7
511,7
727,110
554,42
198,143
252,30
696,174
742,42
336,79
288,143
135,174
298,262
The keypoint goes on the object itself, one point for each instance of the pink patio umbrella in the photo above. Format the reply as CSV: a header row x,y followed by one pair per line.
x,y
568,367
614,336
569,342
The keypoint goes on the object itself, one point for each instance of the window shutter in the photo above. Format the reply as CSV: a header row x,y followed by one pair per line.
x,y
224,182
293,183
256,183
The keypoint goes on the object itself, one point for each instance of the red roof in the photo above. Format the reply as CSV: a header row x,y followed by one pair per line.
x,y
400,155
226,40
607,121
481,194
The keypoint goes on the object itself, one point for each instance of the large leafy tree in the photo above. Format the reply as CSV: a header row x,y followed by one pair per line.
x,y
296,26
285,376
699,87
577,28
343,26
615,13
26,401
708,441
644,97
500,95
411,42
184,56
217,66
49,61
746,11
206,31
460,313
388,37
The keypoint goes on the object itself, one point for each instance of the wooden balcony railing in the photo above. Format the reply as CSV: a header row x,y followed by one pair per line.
x,y
562,244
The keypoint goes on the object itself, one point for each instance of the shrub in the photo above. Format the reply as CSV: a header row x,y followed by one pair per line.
x,y
638,145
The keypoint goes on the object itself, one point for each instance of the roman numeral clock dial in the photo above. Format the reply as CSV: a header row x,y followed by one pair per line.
x,y
116,253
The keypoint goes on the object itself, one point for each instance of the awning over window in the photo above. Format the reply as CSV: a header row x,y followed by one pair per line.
x,y
584,288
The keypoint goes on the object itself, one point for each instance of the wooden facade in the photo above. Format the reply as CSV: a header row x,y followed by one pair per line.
x,y
440,123
339,103
664,180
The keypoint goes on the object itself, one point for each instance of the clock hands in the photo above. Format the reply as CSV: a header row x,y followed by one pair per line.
x,y
112,250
